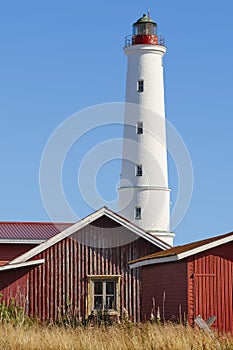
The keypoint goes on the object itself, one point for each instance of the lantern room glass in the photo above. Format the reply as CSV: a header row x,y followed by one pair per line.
x,y
144,29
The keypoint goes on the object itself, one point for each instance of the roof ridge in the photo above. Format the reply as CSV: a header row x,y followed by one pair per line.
x,y
82,223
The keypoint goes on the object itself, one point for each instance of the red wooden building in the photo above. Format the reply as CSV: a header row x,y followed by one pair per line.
x,y
47,266
190,280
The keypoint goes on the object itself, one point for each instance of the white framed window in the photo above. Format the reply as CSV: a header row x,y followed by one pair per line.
x,y
138,170
139,128
140,85
104,293
138,213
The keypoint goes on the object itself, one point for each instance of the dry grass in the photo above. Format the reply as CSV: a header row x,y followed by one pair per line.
x,y
121,337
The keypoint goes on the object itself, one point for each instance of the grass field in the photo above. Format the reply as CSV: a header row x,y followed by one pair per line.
x,y
146,337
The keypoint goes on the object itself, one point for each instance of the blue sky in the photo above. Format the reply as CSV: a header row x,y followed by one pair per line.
x,y
58,57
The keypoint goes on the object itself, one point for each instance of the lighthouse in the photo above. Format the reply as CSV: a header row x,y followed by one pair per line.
x,y
144,195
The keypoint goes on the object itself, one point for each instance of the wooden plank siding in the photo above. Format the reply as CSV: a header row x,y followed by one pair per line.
x,y
211,286
10,251
14,285
169,281
62,279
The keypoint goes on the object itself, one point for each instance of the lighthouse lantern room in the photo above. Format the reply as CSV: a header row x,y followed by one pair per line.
x,y
144,195
145,31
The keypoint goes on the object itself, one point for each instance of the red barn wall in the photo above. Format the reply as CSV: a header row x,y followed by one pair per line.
x,y
211,286
14,285
63,276
11,251
167,281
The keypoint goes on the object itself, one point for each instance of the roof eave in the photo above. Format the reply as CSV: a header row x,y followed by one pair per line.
x,y
22,264
21,241
183,255
153,261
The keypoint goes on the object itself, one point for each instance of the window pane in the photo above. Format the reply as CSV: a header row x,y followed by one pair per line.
x,y
98,302
110,288
140,128
110,302
138,212
142,28
138,170
151,28
140,85
98,288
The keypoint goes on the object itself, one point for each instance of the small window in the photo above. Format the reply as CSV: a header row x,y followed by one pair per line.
x,y
138,171
140,86
103,293
138,213
140,128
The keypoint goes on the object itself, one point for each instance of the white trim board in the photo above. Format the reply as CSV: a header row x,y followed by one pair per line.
x,y
22,264
21,241
84,222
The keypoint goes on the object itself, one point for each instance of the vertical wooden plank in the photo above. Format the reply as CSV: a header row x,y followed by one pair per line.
x,y
230,273
138,293
134,306
79,276
130,283
44,286
190,290
56,282
216,285
75,274
90,255
59,276
47,287
38,294
67,271
94,272
82,250
31,293
71,260
222,292
63,262
51,273
203,280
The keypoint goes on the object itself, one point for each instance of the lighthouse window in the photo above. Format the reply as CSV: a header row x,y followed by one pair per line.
x,y
140,128
140,86
138,213
138,170
142,29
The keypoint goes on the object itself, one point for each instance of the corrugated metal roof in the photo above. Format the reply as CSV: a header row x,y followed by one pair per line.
x,y
30,230
181,249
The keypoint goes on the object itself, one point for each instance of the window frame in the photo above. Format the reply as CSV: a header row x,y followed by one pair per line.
x,y
103,278
139,128
138,170
136,215
140,85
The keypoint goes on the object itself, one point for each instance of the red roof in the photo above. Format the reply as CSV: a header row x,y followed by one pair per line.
x,y
31,230
182,249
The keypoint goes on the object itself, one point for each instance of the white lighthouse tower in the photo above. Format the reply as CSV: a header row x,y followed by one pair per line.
x,y
144,195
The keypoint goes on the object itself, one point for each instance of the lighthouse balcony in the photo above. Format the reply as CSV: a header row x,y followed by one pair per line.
x,y
147,39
